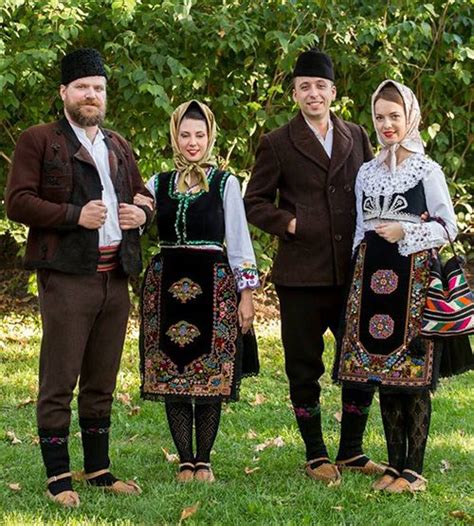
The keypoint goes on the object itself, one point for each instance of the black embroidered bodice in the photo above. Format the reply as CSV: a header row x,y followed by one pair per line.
x,y
187,219
407,206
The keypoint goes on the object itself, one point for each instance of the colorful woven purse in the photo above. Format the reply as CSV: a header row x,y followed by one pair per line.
x,y
449,308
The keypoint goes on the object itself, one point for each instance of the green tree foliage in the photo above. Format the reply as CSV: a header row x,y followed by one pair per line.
x,y
237,56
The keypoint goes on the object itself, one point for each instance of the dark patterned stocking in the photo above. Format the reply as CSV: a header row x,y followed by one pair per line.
x,y
54,450
207,424
180,420
308,418
95,444
418,416
355,412
394,426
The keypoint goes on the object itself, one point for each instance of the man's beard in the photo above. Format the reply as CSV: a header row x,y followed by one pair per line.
x,y
77,113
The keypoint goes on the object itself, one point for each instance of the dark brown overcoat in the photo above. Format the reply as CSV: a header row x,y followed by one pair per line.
x,y
294,177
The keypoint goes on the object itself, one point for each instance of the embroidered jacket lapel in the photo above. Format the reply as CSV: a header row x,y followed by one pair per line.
x,y
113,160
80,152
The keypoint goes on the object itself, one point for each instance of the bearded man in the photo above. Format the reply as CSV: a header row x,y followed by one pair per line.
x,y
72,183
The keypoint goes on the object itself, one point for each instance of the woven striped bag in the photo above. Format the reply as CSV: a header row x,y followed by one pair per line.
x,y
449,308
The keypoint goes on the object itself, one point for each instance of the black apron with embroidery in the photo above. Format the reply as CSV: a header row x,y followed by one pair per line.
x,y
381,342
189,341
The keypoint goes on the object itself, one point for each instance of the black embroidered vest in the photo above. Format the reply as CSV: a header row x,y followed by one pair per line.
x,y
186,219
407,206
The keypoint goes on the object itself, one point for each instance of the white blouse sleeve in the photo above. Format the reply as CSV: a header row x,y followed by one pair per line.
x,y
150,185
359,230
422,236
237,237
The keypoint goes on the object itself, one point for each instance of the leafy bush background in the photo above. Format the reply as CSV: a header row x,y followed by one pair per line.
x,y
237,56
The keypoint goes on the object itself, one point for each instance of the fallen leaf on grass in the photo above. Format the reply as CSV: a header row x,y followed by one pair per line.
x,y
337,508
334,483
445,466
13,438
14,486
133,438
462,515
170,457
259,399
189,512
249,471
134,410
251,434
278,442
124,398
26,402
275,442
338,416
78,434
35,440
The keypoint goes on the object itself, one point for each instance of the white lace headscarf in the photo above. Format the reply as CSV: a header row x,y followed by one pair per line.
x,y
412,140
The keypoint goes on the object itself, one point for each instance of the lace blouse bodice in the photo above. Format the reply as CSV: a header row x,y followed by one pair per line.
x,y
382,196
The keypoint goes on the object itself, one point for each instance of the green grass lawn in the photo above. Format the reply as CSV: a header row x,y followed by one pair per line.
x,y
276,493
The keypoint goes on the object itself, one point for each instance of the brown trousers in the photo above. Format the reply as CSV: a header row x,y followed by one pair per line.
x,y
84,325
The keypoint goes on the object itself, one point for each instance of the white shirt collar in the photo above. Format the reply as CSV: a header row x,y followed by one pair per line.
x,y
82,135
315,130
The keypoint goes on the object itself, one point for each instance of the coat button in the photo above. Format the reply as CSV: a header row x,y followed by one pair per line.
x,y
338,237
347,188
332,189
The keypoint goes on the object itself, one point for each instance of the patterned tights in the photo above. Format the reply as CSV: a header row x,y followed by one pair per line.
x,y
406,421
180,419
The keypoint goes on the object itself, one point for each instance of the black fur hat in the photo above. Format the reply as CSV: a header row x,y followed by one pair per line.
x,y
314,63
85,62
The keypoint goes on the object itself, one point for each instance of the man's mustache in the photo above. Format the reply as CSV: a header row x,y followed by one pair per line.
x,y
89,103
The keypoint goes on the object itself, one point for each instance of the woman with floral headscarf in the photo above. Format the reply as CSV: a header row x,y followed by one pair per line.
x,y
382,344
196,298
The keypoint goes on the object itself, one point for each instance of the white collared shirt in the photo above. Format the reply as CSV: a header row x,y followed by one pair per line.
x,y
110,233
326,142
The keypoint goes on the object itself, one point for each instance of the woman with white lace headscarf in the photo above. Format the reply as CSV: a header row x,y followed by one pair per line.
x,y
382,344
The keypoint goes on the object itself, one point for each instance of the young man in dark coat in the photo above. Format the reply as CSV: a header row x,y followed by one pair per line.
x,y
72,182
311,164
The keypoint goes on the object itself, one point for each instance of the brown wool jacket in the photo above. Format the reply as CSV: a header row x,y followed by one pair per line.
x,y
51,178
294,177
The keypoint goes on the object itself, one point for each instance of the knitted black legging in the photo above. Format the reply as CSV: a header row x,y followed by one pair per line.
x,y
180,419
406,421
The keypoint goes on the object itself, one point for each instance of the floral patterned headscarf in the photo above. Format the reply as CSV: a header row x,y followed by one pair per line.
x,y
412,140
185,167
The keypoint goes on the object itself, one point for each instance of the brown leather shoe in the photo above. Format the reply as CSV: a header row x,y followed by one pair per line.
x,y
369,468
325,472
383,482
402,485
119,487
185,473
66,499
203,472
124,487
